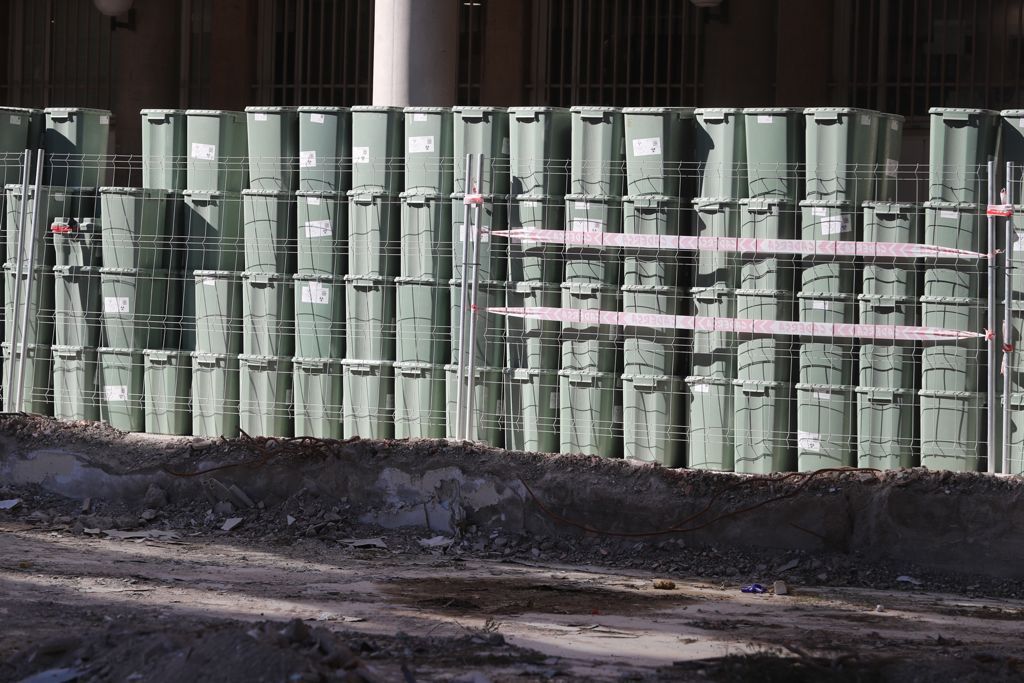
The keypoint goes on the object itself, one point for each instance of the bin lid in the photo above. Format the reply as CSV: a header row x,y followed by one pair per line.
x,y
714,203
842,205
938,393
830,388
219,274
279,194
754,203
137,191
717,292
323,110
109,270
585,375
482,284
884,390
423,196
825,296
959,300
593,198
554,199
162,112
653,379
946,111
528,286
582,109
270,110
682,112
118,351
811,112
263,277
215,112
760,383
69,270
651,199
702,379
71,350
417,365
486,197
773,111
370,108
76,110
887,297
308,361
410,280
704,112
208,356
348,362
369,194
962,207
426,110
258,359
536,110
21,110
653,289
879,206
528,373
336,196
763,292
588,288
303,277
168,354
368,280
212,194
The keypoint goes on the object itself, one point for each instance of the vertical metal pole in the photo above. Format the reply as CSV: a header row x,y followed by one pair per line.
x,y
463,299
12,374
30,280
471,377
993,371
1008,342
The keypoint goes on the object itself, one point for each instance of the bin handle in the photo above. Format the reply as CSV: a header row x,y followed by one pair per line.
x,y
472,114
360,368
62,353
158,118
826,117
416,199
881,396
61,115
158,356
584,288
210,362
521,373
592,115
260,278
645,383
525,116
363,199
259,363
958,116
754,390
709,295
582,379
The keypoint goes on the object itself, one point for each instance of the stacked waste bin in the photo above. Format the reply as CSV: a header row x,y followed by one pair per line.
x,y
1012,141
539,172
961,143
374,244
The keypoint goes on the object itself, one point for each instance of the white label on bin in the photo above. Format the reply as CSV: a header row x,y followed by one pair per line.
x,y
259,116
419,117
307,159
585,225
646,147
819,211
312,201
808,441
583,206
833,225
15,120
318,228
116,304
701,389
821,305
823,395
1020,123
946,213
208,281
316,293
104,120
360,155
316,118
865,120
420,144
890,167
204,152
1018,246
116,393
894,124
764,118
485,235
553,400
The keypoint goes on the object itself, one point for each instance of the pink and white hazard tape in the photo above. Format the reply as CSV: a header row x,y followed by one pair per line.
x,y
737,325
737,244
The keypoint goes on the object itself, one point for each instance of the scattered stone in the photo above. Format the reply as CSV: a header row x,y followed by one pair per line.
x,y
231,523
86,506
535,552
365,543
290,520
149,514
879,608
436,542
499,542
664,584
909,579
10,503
223,507
241,496
780,588
155,497
823,577
789,566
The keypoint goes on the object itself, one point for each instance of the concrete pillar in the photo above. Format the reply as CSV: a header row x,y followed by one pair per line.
x,y
415,52
145,68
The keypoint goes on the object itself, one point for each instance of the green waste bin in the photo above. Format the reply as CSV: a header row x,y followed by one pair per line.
x,y
123,372
377,144
167,381
590,413
217,151
370,318
952,430
214,395
766,218
710,421
424,323
827,220
164,148
75,141
265,396
420,401
269,231
138,307
775,151
952,367
761,426
890,142
654,215
273,137
767,274
824,363
492,254
1012,139
597,159
825,426
19,130
322,233
374,234
325,149
765,359
888,221
829,277
840,151
533,343
827,308
764,304
532,418
1016,435
135,227
587,345
482,130
953,313
957,282
541,261
37,391
76,390
268,314
59,205
653,419
721,153
655,348
428,150
714,352
716,218
593,214
369,399
888,366
954,225
885,427
961,143
319,316
40,310
218,311
488,404
213,231
885,309
77,242
539,141
659,140
489,343
891,280
426,225
318,397
77,305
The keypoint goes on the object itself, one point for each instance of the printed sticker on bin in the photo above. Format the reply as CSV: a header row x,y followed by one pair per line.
x,y
419,117
485,235
360,155
823,396
316,118
116,393
208,281
808,441
312,201
701,388
585,225
307,159
946,213
15,120
318,228
204,152
104,120
316,293
421,144
259,116
820,305
116,304
764,118
645,147
834,225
